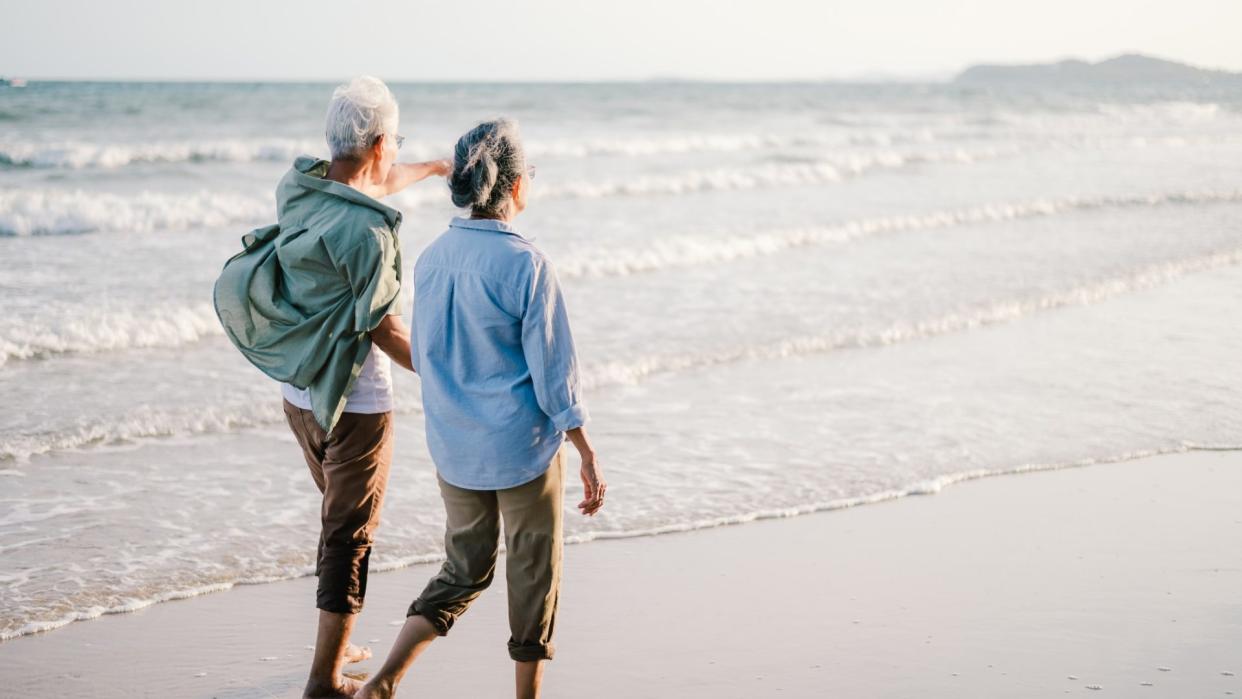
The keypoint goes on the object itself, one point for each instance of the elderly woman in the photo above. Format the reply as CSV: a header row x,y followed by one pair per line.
x,y
313,301
501,392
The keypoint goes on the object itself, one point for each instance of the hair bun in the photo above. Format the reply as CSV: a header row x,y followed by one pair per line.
x,y
487,161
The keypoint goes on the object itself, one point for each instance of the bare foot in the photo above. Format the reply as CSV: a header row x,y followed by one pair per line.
x,y
344,689
374,689
356,654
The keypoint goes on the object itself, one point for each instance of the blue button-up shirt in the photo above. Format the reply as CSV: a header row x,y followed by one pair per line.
x,y
490,340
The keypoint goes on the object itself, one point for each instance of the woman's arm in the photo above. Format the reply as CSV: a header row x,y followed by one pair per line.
x,y
593,485
403,175
548,346
393,337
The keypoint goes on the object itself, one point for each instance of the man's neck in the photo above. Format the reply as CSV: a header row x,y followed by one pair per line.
x,y
356,173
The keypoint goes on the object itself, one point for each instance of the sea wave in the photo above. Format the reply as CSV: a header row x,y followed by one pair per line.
x,y
764,176
145,423
159,326
76,155
26,212
701,249
384,564
1000,311
175,326
153,423
79,154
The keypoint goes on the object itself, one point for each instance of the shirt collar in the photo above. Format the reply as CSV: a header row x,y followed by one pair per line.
x,y
484,224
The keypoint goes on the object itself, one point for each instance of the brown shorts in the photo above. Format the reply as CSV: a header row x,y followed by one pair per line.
x,y
350,467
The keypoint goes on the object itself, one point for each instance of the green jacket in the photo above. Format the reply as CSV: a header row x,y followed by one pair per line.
x,y
301,298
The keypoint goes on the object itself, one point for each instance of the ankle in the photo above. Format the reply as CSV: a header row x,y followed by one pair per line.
x,y
381,686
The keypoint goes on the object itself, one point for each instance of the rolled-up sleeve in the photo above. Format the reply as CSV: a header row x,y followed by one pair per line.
x,y
548,346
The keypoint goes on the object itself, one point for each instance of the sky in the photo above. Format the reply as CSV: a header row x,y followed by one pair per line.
x,y
504,40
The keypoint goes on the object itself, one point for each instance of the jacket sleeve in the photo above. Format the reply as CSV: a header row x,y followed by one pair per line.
x,y
548,346
372,266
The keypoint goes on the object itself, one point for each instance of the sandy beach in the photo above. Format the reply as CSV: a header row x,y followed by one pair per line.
x,y
1121,578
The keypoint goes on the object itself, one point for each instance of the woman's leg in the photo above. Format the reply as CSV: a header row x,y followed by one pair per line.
x,y
471,543
533,539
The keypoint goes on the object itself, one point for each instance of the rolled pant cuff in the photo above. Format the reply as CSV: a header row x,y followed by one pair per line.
x,y
440,619
342,575
530,652
335,603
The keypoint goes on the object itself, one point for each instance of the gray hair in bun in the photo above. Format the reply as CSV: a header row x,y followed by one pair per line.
x,y
487,161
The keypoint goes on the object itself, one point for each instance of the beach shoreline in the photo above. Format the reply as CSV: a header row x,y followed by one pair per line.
x,y
1048,582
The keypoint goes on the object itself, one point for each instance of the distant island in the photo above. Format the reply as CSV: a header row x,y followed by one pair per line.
x,y
1129,70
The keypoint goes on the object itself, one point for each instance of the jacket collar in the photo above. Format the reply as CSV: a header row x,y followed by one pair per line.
x,y
311,173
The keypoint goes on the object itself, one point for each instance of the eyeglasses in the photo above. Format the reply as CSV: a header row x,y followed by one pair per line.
x,y
400,140
530,172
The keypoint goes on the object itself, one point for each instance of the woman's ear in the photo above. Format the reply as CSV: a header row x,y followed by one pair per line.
x,y
519,192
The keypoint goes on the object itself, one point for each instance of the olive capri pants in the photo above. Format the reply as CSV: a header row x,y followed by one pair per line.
x,y
532,518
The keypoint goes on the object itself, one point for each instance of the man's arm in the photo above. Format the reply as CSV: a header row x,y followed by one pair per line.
x,y
403,175
393,337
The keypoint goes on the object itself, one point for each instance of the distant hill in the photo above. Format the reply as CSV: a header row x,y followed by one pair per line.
x,y
1127,70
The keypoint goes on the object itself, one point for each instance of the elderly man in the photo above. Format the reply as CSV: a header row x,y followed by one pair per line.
x,y
314,301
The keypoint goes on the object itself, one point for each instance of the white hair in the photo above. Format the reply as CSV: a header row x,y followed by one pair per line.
x,y
360,112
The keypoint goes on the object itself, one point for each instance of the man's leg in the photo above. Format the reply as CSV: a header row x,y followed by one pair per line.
x,y
355,465
471,544
534,541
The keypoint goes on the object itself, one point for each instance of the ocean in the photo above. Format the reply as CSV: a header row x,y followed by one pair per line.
x,y
787,298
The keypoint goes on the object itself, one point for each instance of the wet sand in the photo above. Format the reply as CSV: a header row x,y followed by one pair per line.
x,y
1125,579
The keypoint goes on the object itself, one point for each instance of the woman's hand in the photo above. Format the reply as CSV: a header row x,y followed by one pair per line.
x,y
593,485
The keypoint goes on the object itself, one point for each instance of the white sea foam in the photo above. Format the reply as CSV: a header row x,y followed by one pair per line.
x,y
763,176
77,154
145,424
152,326
56,211
175,326
1000,311
930,487
691,250
52,211
94,612
86,154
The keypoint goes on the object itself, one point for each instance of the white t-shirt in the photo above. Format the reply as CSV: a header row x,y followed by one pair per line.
x,y
372,391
